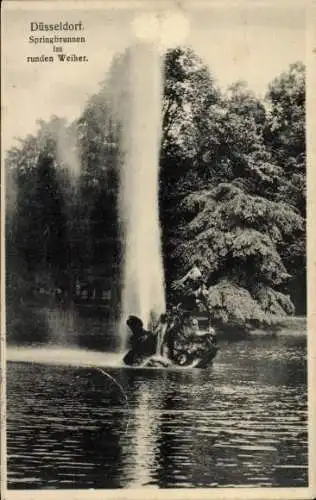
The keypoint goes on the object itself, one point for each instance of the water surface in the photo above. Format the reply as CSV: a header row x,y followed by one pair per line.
x,y
244,422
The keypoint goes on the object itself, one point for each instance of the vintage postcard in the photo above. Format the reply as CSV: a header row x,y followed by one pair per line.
x,y
157,205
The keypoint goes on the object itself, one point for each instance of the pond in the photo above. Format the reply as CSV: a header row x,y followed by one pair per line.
x,y
241,423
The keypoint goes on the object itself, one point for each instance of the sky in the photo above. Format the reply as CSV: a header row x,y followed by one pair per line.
x,y
254,43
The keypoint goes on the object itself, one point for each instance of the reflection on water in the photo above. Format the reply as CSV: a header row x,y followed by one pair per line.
x,y
244,422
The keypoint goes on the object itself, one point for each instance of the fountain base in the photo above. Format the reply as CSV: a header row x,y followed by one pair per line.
x,y
183,344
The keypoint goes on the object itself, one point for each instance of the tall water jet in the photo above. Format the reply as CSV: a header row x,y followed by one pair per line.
x,y
134,90
143,277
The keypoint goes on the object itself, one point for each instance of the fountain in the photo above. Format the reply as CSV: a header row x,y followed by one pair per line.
x,y
143,279
139,107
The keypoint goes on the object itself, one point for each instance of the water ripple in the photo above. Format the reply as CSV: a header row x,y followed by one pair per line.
x,y
244,423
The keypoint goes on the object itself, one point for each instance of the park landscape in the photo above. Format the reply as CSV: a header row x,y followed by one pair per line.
x,y
162,170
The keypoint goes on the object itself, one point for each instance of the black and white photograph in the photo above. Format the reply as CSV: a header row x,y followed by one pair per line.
x,y
155,314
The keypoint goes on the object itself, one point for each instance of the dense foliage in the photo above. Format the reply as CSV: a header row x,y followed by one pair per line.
x,y
232,194
234,199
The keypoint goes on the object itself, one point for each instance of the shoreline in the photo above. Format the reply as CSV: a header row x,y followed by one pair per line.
x,y
289,326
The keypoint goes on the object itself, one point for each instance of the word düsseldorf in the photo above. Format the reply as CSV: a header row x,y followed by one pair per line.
x,y
61,26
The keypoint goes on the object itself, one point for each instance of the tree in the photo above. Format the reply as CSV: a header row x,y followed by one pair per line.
x,y
234,237
285,138
286,124
225,212
98,138
37,223
189,91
